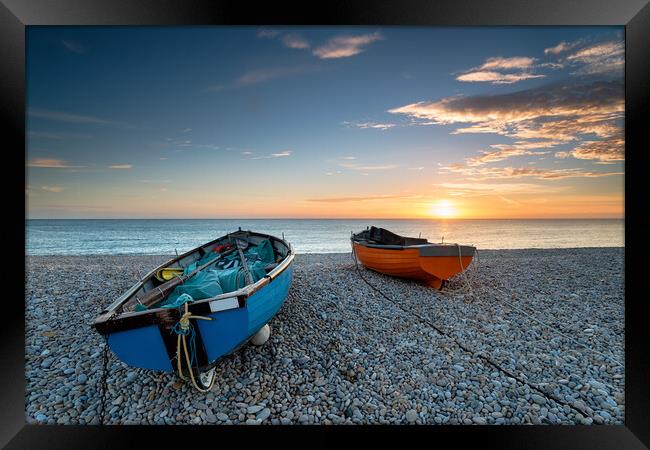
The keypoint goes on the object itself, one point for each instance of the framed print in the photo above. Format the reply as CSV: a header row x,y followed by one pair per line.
x,y
418,216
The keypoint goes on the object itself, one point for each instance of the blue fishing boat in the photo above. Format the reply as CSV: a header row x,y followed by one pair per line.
x,y
187,313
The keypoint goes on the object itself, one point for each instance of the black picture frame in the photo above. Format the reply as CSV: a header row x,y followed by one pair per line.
x,y
16,15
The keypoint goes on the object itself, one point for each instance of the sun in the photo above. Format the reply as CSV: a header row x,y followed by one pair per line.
x,y
443,209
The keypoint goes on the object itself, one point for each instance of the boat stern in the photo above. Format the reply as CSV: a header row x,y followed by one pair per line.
x,y
444,261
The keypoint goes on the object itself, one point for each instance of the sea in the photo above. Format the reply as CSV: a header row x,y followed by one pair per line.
x,y
167,236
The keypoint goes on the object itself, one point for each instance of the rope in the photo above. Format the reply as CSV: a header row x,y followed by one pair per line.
x,y
103,383
467,349
183,329
103,380
467,288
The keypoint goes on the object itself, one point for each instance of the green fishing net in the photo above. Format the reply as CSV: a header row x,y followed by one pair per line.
x,y
228,275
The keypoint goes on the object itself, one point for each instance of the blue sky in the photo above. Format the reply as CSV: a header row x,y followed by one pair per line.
x,y
324,121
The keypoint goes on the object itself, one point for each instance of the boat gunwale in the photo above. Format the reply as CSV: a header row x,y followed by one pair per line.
x,y
463,248
106,324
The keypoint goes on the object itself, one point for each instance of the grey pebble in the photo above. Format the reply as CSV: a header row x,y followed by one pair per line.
x,y
538,399
47,363
254,409
411,415
263,414
343,354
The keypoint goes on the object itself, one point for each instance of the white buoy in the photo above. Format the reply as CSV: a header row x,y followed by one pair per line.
x,y
262,335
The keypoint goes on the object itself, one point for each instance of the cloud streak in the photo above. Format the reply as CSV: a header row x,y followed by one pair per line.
x,y
360,199
507,151
57,136
121,166
265,33
491,70
481,189
289,40
54,189
370,125
282,154
346,45
486,173
599,58
496,77
367,168
71,118
608,150
295,41
50,163
74,47
515,62
590,58
263,75
557,112
585,113
562,47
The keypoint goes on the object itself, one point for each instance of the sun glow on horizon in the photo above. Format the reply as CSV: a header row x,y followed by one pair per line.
x,y
443,209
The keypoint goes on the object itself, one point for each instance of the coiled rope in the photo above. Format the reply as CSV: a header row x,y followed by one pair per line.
x,y
184,329
469,350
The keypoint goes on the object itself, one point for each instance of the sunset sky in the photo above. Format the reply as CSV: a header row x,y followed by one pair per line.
x,y
325,122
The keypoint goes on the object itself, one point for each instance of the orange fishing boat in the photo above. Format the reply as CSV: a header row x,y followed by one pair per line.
x,y
415,258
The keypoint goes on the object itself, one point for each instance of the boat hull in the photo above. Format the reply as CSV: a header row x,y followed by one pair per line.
x,y
145,347
145,336
425,264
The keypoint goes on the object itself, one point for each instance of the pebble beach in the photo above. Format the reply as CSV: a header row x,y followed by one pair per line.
x,y
522,337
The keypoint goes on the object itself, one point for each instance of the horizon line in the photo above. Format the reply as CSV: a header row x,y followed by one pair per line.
x,y
325,218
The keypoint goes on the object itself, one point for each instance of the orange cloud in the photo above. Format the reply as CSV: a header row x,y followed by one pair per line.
x,y
507,151
518,172
549,115
525,111
52,188
359,199
51,163
492,70
607,150
480,189
598,58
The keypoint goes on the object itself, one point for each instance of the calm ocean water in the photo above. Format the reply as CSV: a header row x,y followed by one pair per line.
x,y
87,237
